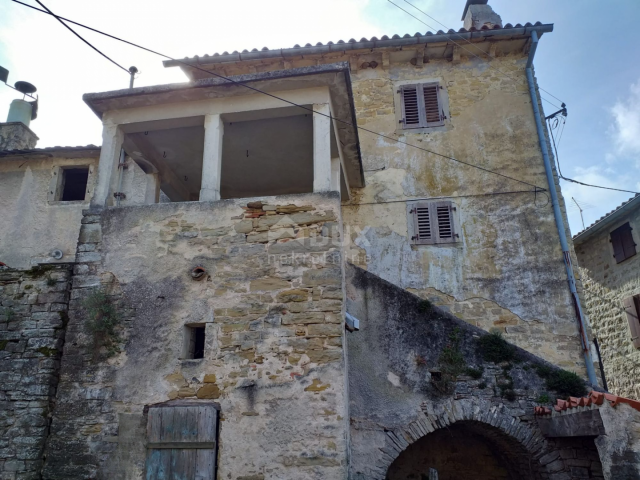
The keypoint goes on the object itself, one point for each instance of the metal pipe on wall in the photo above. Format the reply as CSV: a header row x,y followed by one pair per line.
x,y
556,211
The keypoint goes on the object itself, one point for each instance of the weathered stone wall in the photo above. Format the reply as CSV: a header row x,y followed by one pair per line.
x,y
31,225
396,397
33,314
271,303
16,136
606,285
506,272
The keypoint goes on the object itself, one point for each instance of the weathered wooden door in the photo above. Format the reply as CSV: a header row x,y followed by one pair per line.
x,y
182,442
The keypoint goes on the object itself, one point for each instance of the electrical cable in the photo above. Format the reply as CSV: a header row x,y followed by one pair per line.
x,y
473,45
576,181
79,36
465,49
231,80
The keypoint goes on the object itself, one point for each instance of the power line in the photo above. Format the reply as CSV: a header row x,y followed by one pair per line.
x,y
465,49
60,19
536,188
576,181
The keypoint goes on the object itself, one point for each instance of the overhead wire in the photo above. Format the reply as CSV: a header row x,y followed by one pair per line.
x,y
344,122
555,148
465,49
478,48
60,19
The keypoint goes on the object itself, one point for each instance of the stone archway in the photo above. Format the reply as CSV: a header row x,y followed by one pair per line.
x,y
513,448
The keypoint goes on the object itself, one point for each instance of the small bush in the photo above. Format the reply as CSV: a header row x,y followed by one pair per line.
x,y
451,362
103,322
475,373
51,281
496,349
543,398
509,395
482,385
424,306
563,382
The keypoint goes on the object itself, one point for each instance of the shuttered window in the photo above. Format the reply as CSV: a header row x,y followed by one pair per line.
x,y
631,308
182,441
433,223
421,105
622,242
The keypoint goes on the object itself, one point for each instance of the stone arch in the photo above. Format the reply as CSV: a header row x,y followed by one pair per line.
x,y
522,444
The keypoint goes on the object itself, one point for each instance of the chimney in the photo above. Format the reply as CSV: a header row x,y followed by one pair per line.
x,y
15,134
477,14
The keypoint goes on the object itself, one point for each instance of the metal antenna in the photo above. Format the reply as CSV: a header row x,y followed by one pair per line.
x,y
579,208
132,71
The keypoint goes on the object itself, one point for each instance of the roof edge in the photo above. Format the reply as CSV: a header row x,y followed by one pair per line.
x,y
372,43
598,225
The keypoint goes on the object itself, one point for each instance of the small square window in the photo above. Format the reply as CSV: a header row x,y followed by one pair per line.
x,y
194,337
422,105
73,184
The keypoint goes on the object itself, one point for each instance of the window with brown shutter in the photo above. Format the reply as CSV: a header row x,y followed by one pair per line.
x,y
421,106
631,308
622,242
433,223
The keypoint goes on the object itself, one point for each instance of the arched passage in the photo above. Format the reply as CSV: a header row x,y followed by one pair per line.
x,y
465,449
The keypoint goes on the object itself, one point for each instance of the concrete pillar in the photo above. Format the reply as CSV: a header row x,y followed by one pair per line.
x,y
321,148
106,183
335,174
212,158
152,192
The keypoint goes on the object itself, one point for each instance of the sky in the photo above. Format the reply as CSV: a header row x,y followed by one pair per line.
x,y
591,62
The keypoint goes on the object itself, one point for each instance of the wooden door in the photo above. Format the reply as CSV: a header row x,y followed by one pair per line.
x,y
182,442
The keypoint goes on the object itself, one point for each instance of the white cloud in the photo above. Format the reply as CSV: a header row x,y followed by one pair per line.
x,y
626,115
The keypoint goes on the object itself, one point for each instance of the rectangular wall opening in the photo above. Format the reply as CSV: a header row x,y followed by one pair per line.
x,y
173,149
194,340
73,184
267,153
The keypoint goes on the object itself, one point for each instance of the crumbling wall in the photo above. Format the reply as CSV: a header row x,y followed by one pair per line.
x,y
32,227
33,314
271,303
398,362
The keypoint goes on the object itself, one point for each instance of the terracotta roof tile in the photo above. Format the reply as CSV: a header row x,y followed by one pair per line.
x,y
594,399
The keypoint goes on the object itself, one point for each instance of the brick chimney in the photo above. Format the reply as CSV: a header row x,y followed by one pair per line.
x,y
15,134
477,14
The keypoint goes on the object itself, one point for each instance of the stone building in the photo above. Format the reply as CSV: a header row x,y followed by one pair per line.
x,y
261,290
609,268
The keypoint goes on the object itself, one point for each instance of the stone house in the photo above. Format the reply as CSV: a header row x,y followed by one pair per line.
x,y
609,268
261,290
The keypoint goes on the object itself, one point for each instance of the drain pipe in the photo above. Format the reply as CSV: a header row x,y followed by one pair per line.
x,y
557,213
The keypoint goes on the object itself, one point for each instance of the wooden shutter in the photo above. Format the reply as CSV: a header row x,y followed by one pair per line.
x,y
622,242
434,115
182,441
631,309
422,223
412,106
443,212
421,105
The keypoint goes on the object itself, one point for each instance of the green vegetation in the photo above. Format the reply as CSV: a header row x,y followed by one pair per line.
x,y
451,362
40,270
3,343
509,394
475,373
425,306
51,281
543,398
494,348
47,352
9,314
563,382
103,322
482,385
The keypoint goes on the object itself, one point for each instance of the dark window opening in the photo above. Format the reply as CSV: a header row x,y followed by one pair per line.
x,y
622,241
194,341
74,186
